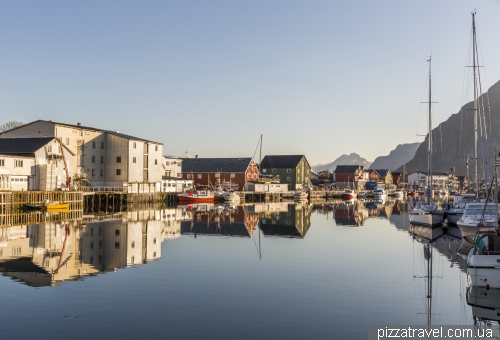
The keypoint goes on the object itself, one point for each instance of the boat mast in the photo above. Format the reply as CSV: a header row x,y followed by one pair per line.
x,y
475,100
429,151
260,153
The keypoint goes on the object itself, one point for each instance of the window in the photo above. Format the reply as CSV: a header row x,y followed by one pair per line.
x,y
288,170
154,240
232,175
100,244
100,258
118,159
117,232
132,259
199,176
156,147
154,254
101,172
102,159
93,144
156,162
134,145
289,179
18,163
91,260
93,172
102,145
274,171
264,171
117,245
133,160
100,231
188,176
133,244
67,141
91,245
91,231
93,159
118,172
81,133
2,162
49,148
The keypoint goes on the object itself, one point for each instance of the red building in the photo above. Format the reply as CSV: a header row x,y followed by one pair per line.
x,y
211,171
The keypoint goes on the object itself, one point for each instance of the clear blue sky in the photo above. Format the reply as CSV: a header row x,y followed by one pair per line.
x,y
320,78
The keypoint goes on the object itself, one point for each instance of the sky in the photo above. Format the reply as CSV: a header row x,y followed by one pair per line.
x,y
320,78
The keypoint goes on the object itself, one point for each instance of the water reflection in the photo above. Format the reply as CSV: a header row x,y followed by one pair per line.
x,y
44,254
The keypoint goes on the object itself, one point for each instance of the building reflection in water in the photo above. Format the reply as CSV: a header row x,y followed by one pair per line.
x,y
44,254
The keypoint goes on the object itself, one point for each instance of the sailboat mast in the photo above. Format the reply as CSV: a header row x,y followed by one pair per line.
x,y
429,151
260,153
475,100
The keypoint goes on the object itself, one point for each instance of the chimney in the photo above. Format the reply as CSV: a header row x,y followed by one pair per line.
x,y
196,156
79,124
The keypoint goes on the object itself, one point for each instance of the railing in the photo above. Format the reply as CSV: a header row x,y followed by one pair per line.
x,y
103,189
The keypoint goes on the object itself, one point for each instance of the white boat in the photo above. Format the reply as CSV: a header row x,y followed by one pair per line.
x,y
231,196
485,303
483,261
399,193
379,194
428,213
300,195
476,215
457,210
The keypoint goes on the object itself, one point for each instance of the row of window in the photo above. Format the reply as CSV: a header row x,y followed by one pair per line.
x,y
18,163
119,160
199,176
101,172
134,145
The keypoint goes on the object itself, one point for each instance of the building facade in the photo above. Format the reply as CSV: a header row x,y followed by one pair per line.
x,y
225,172
293,170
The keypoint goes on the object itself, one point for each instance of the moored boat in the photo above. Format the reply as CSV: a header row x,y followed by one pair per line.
x,y
196,196
379,194
476,215
300,195
349,194
483,261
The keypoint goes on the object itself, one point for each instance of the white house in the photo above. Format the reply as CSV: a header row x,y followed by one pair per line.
x,y
103,158
33,164
439,179
172,180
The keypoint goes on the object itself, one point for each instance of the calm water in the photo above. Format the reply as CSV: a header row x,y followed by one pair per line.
x,y
262,271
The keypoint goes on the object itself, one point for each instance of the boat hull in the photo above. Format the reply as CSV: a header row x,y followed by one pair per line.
x,y
51,207
428,219
453,217
195,199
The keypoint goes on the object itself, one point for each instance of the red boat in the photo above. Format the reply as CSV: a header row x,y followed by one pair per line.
x,y
412,193
196,196
349,194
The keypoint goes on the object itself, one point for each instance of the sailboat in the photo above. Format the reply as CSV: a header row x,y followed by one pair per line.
x,y
427,214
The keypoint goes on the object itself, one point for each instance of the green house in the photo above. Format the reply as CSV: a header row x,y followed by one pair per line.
x,y
293,170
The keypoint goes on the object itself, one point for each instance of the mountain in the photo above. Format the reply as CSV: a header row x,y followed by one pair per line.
x,y
454,139
351,159
401,154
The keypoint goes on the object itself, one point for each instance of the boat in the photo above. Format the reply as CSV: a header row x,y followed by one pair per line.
x,y
300,195
55,206
428,213
485,303
349,194
232,196
483,261
478,217
399,193
47,205
379,194
412,193
196,196
362,195
455,212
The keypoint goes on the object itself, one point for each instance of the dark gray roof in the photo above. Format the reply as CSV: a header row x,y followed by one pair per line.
x,y
281,161
382,172
130,137
215,164
22,146
49,121
347,169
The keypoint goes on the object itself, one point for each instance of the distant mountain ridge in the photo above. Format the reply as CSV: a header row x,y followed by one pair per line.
x,y
401,154
352,159
454,139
